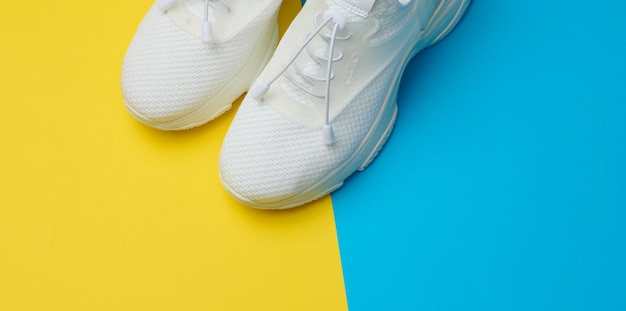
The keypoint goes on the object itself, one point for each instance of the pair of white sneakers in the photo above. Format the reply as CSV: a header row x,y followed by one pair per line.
x,y
318,108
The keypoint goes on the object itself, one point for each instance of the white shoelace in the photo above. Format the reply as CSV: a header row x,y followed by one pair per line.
x,y
337,21
207,29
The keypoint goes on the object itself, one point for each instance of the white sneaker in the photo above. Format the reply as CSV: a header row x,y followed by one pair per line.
x,y
297,137
190,59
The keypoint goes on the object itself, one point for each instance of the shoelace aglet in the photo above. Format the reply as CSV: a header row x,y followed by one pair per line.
x,y
259,90
207,32
328,135
165,5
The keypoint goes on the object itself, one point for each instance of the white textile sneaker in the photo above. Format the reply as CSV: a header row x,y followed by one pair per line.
x,y
190,59
326,103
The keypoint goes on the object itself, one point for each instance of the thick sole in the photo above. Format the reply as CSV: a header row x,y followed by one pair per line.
x,y
222,102
444,19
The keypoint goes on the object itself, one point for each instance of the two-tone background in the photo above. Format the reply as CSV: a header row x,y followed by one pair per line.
x,y
503,186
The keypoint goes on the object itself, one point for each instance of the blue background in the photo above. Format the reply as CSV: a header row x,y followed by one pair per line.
x,y
503,184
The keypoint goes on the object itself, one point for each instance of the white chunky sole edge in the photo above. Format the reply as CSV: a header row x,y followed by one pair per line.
x,y
383,125
223,101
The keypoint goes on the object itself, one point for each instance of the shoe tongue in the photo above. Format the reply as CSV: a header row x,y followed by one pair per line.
x,y
361,8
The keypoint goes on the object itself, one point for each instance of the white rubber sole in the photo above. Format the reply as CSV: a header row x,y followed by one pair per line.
x,y
444,19
222,102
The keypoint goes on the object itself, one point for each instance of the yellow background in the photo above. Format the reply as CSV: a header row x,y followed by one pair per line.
x,y
99,212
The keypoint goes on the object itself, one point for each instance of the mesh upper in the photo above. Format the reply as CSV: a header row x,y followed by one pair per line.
x,y
167,73
267,158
